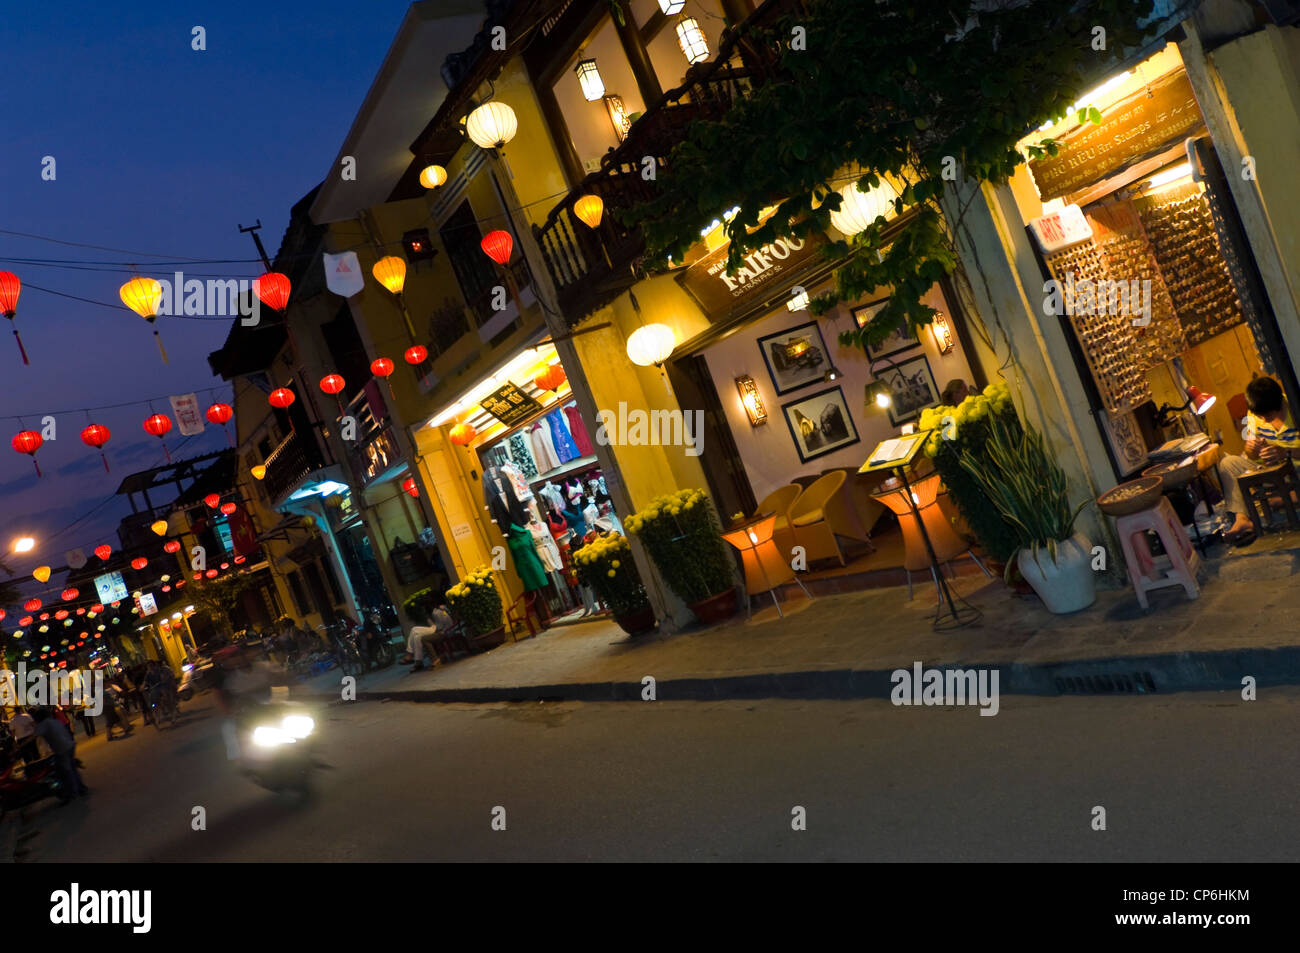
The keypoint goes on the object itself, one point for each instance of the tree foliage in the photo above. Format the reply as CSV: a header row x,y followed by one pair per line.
x,y
218,598
928,92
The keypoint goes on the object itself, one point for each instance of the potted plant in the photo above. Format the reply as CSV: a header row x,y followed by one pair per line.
x,y
681,534
476,604
605,564
1029,489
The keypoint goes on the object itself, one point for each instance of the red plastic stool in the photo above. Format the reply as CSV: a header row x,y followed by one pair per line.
x,y
1142,567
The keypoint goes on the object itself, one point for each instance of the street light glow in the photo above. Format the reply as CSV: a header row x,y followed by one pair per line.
x,y
24,544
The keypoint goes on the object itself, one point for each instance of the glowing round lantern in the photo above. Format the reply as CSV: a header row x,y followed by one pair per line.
x,y
172,546
211,574
61,614
213,500
220,413
462,434
433,176
28,442
96,435
158,424
159,527
142,295
589,209
225,566
259,472
97,608
491,125
31,605
273,290
858,210
332,383
410,487
391,273
381,367
416,354
228,508
42,573
498,245
2,615
239,559
103,551
10,288
69,594
26,621
651,344
281,398
551,379
139,563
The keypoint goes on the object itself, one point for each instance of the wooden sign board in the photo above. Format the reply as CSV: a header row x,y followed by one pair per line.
x,y
510,405
765,269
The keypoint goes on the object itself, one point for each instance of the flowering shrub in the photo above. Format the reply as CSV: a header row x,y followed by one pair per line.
x,y
605,564
966,434
682,536
476,602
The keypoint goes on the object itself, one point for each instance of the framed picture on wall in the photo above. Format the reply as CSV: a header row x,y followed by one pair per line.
x,y
795,357
902,338
820,423
911,384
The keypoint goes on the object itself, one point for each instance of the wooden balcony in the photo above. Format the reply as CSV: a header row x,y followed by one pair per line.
x,y
289,463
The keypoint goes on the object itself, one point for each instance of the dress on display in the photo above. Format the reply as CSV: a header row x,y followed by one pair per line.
x,y
522,489
521,456
503,503
578,430
539,437
552,495
575,521
524,553
565,449
547,550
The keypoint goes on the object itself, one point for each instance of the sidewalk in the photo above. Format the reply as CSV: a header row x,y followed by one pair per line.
x,y
846,646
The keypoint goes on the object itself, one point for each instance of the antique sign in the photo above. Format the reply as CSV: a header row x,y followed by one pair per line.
x,y
510,405
764,272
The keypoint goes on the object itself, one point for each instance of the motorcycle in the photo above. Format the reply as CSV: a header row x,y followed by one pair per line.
x,y
36,782
276,742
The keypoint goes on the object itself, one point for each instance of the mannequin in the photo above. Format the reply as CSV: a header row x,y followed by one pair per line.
x,y
552,494
511,517
591,512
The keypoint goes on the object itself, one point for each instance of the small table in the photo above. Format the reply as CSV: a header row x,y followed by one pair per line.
x,y
764,567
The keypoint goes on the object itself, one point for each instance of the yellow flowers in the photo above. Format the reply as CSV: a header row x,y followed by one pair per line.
x,y
610,544
477,579
610,574
670,504
947,422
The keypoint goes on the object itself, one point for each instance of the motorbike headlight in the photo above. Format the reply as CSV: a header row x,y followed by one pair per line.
x,y
270,736
187,667
298,726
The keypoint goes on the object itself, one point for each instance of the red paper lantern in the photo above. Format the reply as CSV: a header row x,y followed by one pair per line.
x,y
239,559
139,563
31,605
81,611
2,615
198,575
96,435
171,546
104,551
220,413
416,354
61,615
211,574
498,245
181,583
28,442
213,500
26,621
281,398
158,424
273,289
167,589
45,617
97,608
551,379
70,594
409,486
225,566
10,288
381,367
332,383
228,508
463,434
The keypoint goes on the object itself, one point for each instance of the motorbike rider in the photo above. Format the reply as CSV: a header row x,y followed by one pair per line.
x,y
242,680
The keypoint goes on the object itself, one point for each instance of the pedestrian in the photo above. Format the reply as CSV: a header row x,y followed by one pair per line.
x,y
23,728
115,715
64,750
87,720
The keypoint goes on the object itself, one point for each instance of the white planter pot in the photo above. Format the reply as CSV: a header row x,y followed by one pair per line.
x,y
1066,584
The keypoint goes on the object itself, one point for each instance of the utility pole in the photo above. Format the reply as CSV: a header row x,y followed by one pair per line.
x,y
257,240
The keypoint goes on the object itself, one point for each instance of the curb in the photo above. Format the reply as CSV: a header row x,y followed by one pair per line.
x,y
1130,675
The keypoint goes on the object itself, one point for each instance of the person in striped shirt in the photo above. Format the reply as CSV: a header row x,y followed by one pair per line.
x,y
1271,437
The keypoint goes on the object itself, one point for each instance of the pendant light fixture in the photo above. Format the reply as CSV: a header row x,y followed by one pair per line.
x,y
692,40
593,87
143,295
491,125
671,7
433,176
859,210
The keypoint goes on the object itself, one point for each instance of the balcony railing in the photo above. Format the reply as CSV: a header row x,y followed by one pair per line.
x,y
289,464
591,267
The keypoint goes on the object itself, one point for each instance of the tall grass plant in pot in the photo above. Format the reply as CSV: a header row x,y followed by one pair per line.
x,y
1030,490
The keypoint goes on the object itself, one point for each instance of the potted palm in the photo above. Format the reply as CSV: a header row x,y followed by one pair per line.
x,y
605,564
476,604
1029,489
681,533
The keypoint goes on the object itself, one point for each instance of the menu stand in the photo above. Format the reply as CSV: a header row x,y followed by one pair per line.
x,y
948,614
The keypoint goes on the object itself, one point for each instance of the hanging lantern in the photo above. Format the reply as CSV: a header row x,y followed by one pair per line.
x,y
273,290
551,379
239,559
589,209
433,176
651,344
692,41
96,435
31,605
2,615
69,594
491,125
104,551
220,413
28,442
859,210
228,508
281,398
159,425
42,573
416,354
332,383
10,288
142,295
97,608
61,615
410,487
381,367
171,546
139,563
211,574
462,435
213,500
593,87
498,245
671,7
159,527
259,472
391,273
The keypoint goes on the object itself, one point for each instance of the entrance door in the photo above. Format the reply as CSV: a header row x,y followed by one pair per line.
x,y
728,482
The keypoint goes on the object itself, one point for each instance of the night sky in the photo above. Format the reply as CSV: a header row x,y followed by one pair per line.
x,y
161,150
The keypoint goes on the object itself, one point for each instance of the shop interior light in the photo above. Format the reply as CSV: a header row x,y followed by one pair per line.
x,y
941,328
1091,96
752,400
618,116
593,87
1170,175
692,41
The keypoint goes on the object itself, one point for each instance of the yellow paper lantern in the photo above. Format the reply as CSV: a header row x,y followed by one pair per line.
x,y
391,273
142,296
651,344
42,573
433,176
258,472
589,208
159,527
492,125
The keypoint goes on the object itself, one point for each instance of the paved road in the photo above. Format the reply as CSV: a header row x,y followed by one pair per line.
x,y
1191,777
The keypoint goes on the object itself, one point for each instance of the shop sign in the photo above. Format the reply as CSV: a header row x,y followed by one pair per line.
x,y
763,270
110,587
189,420
1141,124
510,405
147,603
1061,229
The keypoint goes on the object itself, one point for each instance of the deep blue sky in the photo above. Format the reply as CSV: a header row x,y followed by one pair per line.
x,y
159,149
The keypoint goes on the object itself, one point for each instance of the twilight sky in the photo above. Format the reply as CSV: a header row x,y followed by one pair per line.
x,y
159,149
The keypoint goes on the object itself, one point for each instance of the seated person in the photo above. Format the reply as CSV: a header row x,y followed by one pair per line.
x,y
423,634
1271,439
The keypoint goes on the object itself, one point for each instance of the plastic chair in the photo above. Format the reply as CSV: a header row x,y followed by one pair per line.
x,y
1143,571
1237,408
778,502
821,514
522,612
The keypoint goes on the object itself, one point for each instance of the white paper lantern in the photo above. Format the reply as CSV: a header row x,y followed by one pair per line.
x,y
860,209
692,41
651,344
492,125
669,7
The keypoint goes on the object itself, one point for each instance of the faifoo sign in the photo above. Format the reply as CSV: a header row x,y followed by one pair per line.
x,y
764,271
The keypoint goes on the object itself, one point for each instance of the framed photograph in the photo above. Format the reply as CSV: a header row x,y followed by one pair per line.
x,y
795,357
911,383
820,423
902,338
